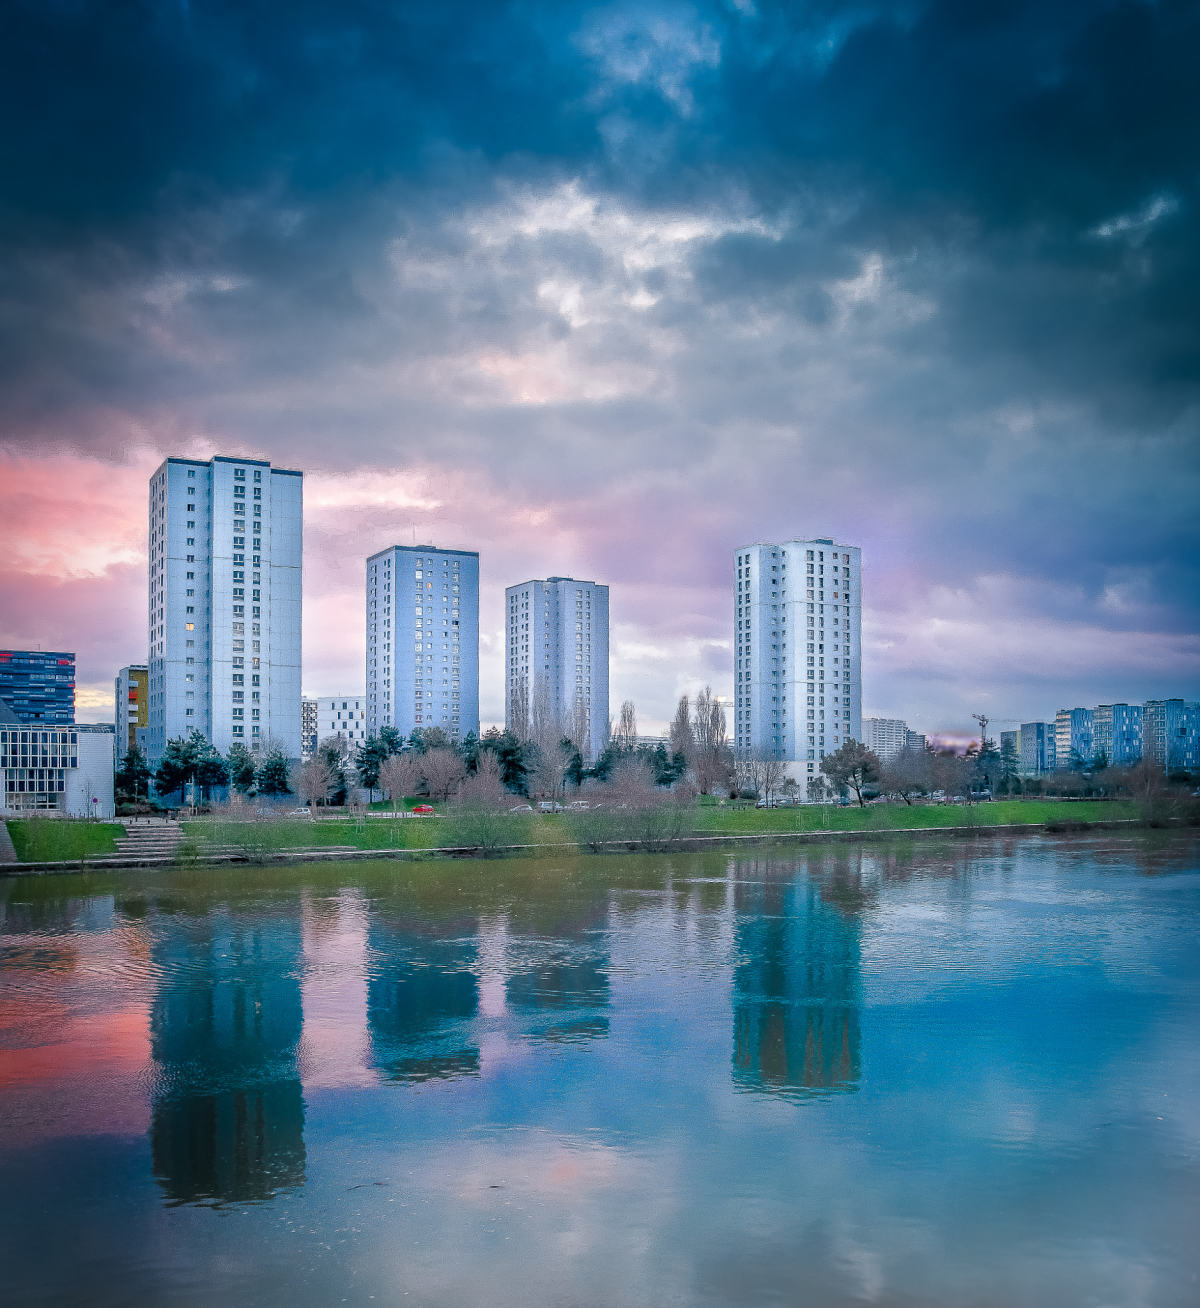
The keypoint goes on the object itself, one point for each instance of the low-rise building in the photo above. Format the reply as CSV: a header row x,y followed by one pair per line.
x,y
1037,748
1171,733
38,685
343,715
1117,733
1072,737
66,770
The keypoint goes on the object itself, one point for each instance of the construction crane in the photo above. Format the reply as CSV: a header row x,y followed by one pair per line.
x,y
983,726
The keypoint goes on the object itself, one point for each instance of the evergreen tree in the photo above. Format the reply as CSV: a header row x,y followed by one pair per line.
x,y
390,740
1010,766
371,756
853,767
273,774
240,766
177,766
132,780
513,756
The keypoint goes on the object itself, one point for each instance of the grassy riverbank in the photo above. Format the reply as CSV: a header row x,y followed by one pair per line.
x,y
43,840
446,829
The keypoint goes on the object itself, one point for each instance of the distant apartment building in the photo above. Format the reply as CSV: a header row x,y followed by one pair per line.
x,y
225,599
556,659
38,685
797,642
1037,748
1072,736
1011,740
1117,733
308,727
131,711
1171,733
423,640
885,737
343,715
915,742
56,769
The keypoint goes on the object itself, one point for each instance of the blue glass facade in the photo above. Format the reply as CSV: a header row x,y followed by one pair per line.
x,y
38,685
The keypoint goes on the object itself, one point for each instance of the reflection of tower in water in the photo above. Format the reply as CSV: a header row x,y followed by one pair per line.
x,y
227,1118
796,993
422,998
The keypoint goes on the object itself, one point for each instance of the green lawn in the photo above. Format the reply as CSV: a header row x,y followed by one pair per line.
x,y
902,817
44,840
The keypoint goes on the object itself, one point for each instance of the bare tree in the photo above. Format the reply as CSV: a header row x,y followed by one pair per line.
x,y
314,781
484,786
712,756
905,776
581,728
759,772
517,718
625,736
442,770
399,776
682,738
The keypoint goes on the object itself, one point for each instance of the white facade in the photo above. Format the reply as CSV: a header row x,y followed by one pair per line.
x,y
423,640
797,651
886,737
343,715
556,659
54,769
225,598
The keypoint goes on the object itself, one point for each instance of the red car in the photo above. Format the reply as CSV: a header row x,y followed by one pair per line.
x,y
423,809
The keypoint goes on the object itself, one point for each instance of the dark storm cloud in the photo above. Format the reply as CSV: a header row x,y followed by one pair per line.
x,y
919,275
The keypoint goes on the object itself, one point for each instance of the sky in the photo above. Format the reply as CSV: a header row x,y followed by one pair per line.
x,y
611,291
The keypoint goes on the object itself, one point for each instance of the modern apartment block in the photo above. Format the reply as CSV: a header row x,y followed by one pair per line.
x,y
1011,740
1117,731
423,640
1072,735
308,727
916,742
56,769
225,572
343,715
797,649
556,659
885,737
1037,750
38,685
131,712
1171,733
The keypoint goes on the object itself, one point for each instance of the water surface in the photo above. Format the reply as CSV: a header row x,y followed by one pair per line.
x,y
936,1074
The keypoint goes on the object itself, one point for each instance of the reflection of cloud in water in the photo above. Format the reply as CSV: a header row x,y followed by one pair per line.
x,y
336,1046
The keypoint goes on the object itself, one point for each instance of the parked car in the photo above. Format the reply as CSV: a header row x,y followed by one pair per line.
x,y
423,810
521,808
579,806
766,803
299,813
549,806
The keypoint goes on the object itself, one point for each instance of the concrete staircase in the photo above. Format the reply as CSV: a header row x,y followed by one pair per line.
x,y
149,840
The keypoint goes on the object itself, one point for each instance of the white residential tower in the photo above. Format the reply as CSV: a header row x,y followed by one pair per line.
x,y
556,659
797,650
423,640
225,571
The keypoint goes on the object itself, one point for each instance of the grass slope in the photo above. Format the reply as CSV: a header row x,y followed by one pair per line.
x,y
43,840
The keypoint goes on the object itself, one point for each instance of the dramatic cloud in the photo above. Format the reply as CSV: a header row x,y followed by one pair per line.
x,y
612,290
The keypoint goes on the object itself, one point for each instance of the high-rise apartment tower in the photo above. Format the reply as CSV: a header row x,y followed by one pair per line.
x,y
423,640
797,651
225,571
556,659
